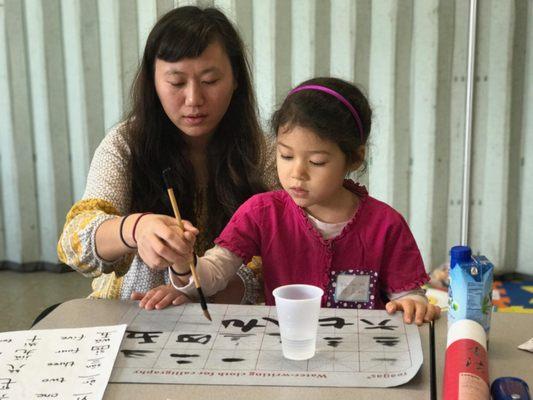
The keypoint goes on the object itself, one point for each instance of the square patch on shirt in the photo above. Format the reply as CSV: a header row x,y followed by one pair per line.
x,y
351,287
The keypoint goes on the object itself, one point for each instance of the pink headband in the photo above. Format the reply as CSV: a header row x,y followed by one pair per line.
x,y
339,97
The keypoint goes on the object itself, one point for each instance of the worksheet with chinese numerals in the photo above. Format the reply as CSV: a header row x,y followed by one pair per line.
x,y
58,363
241,346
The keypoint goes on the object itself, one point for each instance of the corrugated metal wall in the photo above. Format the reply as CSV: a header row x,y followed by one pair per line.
x,y
66,67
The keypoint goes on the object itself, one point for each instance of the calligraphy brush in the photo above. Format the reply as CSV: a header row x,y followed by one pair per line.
x,y
177,215
432,373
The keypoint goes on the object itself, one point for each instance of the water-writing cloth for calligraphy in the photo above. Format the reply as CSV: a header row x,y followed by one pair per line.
x,y
355,348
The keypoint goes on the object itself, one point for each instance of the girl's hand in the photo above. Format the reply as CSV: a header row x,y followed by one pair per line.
x,y
160,297
161,242
419,310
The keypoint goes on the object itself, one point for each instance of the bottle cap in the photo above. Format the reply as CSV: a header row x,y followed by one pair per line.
x,y
459,255
509,387
466,329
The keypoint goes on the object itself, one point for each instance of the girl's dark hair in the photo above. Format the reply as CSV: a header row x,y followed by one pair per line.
x,y
326,116
234,151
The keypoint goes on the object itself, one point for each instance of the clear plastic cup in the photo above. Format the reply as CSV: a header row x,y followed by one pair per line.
x,y
298,307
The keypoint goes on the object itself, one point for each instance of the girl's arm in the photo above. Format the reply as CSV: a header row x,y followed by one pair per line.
x,y
415,306
416,294
214,269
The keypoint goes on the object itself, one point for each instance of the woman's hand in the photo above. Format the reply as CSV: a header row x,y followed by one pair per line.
x,y
161,242
419,310
160,297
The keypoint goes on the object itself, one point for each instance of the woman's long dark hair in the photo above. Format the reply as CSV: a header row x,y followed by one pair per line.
x,y
234,151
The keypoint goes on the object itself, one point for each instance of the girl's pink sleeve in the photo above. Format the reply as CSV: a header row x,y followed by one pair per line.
x,y
402,267
241,235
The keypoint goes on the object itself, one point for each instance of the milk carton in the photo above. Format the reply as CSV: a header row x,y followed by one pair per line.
x,y
470,290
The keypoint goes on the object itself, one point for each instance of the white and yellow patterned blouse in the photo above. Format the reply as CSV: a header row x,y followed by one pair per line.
x,y
107,195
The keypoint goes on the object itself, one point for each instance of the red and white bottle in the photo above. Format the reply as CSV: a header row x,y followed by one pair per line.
x,y
466,368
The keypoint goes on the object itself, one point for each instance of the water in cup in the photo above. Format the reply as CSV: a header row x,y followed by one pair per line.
x,y
298,349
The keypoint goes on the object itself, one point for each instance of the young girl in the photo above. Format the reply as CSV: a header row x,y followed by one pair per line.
x,y
321,229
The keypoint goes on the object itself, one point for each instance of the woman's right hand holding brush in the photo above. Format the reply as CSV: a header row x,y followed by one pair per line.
x,y
162,243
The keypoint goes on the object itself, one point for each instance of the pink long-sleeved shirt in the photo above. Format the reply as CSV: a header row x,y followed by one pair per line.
x,y
375,254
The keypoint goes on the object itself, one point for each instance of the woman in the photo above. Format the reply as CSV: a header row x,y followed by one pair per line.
x,y
193,110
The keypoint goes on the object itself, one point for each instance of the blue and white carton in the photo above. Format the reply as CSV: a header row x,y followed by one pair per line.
x,y
470,290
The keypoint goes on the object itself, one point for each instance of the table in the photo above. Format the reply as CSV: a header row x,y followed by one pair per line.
x,y
508,330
